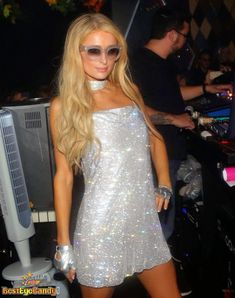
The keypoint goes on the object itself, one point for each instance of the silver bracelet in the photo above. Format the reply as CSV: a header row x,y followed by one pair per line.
x,y
64,258
164,191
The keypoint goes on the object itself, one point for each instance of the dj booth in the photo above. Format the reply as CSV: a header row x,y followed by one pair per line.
x,y
212,143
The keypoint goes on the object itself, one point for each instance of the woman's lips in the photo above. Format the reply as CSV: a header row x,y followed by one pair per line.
x,y
104,69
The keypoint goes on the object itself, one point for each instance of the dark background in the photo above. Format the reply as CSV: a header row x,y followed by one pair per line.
x,y
31,49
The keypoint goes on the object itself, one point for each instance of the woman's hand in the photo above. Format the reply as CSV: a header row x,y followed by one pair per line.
x,y
65,261
163,195
161,203
71,275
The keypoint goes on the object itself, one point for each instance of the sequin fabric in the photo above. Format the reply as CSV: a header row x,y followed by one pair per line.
x,y
118,231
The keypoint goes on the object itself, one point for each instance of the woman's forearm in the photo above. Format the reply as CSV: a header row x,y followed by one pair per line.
x,y
63,202
160,161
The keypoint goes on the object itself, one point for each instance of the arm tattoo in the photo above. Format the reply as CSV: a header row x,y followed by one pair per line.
x,y
160,118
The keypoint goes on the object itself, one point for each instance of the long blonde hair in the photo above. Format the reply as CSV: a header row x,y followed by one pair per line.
x,y
74,123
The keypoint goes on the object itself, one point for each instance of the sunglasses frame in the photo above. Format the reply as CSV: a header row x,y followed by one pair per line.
x,y
186,36
86,49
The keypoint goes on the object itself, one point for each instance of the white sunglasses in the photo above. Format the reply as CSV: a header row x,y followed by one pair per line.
x,y
95,52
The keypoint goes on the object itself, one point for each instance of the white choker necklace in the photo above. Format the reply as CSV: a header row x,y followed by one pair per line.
x,y
97,85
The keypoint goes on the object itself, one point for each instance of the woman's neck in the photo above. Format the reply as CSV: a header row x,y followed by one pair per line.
x,y
97,85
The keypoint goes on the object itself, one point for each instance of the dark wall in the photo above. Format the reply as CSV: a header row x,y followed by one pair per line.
x,y
31,49
213,24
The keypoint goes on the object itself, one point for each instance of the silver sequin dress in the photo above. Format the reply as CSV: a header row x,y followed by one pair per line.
x,y
118,231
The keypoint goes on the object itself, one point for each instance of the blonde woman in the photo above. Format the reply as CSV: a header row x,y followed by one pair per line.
x,y
99,125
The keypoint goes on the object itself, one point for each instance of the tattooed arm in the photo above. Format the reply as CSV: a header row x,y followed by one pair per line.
x,y
161,118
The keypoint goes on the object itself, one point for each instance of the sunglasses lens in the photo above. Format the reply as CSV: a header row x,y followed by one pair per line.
x,y
113,52
94,52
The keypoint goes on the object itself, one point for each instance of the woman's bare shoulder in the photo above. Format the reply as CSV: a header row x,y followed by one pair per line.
x,y
134,86
55,104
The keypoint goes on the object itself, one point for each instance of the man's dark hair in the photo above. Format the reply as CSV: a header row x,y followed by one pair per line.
x,y
165,20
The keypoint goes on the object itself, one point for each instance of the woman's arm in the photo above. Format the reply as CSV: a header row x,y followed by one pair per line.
x,y
63,182
160,161
159,158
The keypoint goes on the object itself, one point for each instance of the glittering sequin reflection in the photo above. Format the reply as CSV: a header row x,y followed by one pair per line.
x,y
118,230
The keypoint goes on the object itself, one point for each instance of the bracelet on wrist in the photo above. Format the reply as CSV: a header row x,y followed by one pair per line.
x,y
62,248
204,89
164,191
64,258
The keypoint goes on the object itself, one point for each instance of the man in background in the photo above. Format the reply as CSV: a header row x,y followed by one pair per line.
x,y
156,76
